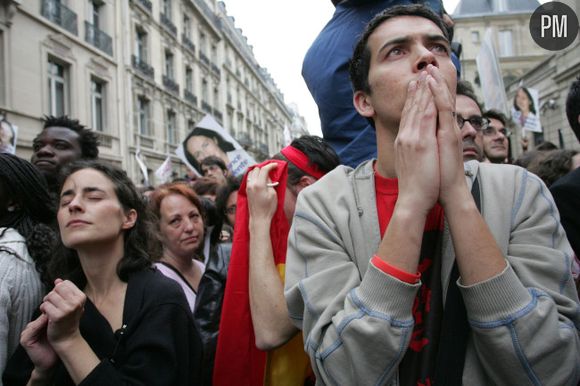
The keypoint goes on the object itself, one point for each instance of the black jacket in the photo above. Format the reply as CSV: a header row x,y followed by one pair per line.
x,y
208,305
157,346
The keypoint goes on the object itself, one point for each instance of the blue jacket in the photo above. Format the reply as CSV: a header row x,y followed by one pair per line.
x,y
325,71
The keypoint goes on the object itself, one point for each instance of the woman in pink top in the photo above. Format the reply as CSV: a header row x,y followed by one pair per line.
x,y
181,230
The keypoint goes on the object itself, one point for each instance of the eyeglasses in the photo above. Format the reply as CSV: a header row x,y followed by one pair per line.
x,y
477,122
492,131
231,209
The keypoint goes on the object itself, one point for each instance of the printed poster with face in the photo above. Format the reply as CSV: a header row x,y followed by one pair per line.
x,y
525,110
207,138
8,136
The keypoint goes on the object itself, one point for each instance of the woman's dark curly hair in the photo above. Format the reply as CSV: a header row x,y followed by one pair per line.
x,y
33,210
141,245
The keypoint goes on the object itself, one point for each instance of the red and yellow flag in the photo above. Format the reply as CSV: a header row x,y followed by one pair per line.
x,y
238,361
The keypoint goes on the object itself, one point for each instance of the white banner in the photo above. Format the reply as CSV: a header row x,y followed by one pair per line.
x,y
163,173
490,75
142,166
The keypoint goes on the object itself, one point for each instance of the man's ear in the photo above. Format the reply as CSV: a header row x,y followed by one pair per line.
x,y
304,182
362,104
130,219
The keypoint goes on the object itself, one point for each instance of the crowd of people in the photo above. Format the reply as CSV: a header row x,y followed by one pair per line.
x,y
404,251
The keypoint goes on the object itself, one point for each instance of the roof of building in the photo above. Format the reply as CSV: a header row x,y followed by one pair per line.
x,y
467,8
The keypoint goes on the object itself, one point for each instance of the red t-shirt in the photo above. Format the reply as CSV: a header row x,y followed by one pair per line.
x,y
417,366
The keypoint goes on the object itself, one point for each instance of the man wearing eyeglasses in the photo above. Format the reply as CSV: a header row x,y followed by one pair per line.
x,y
495,137
470,121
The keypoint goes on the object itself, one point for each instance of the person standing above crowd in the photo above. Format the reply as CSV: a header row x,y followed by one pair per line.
x,y
495,137
26,245
180,223
325,71
394,275
62,141
111,318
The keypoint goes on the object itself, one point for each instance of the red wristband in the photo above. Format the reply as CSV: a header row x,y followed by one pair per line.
x,y
394,271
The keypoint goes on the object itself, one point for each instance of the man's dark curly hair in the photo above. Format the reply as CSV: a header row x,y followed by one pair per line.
x,y
466,89
87,137
320,155
496,114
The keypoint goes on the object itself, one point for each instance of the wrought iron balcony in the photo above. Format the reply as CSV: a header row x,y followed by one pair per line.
x,y
98,38
216,69
59,14
204,59
188,95
146,4
143,67
206,107
167,23
188,43
170,84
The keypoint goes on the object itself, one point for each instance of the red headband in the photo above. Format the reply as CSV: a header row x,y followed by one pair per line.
x,y
300,160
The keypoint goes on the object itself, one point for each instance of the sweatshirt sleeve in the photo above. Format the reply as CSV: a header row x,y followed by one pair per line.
x,y
525,320
356,329
20,294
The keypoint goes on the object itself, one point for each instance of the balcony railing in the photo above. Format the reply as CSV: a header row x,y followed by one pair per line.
x,y
105,139
98,38
188,43
146,4
204,59
167,23
216,69
206,107
188,95
59,14
143,67
170,84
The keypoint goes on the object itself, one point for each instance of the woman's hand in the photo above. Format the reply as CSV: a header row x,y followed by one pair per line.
x,y
63,306
33,339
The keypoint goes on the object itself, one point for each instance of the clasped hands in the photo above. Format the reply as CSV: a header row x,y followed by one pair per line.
x,y
56,327
428,147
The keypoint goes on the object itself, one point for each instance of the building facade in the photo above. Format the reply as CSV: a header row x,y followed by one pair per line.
x,y
509,25
140,73
522,62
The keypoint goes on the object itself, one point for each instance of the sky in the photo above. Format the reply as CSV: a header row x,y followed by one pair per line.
x,y
280,33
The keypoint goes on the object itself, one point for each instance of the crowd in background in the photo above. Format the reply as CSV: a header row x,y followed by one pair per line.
x,y
278,278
